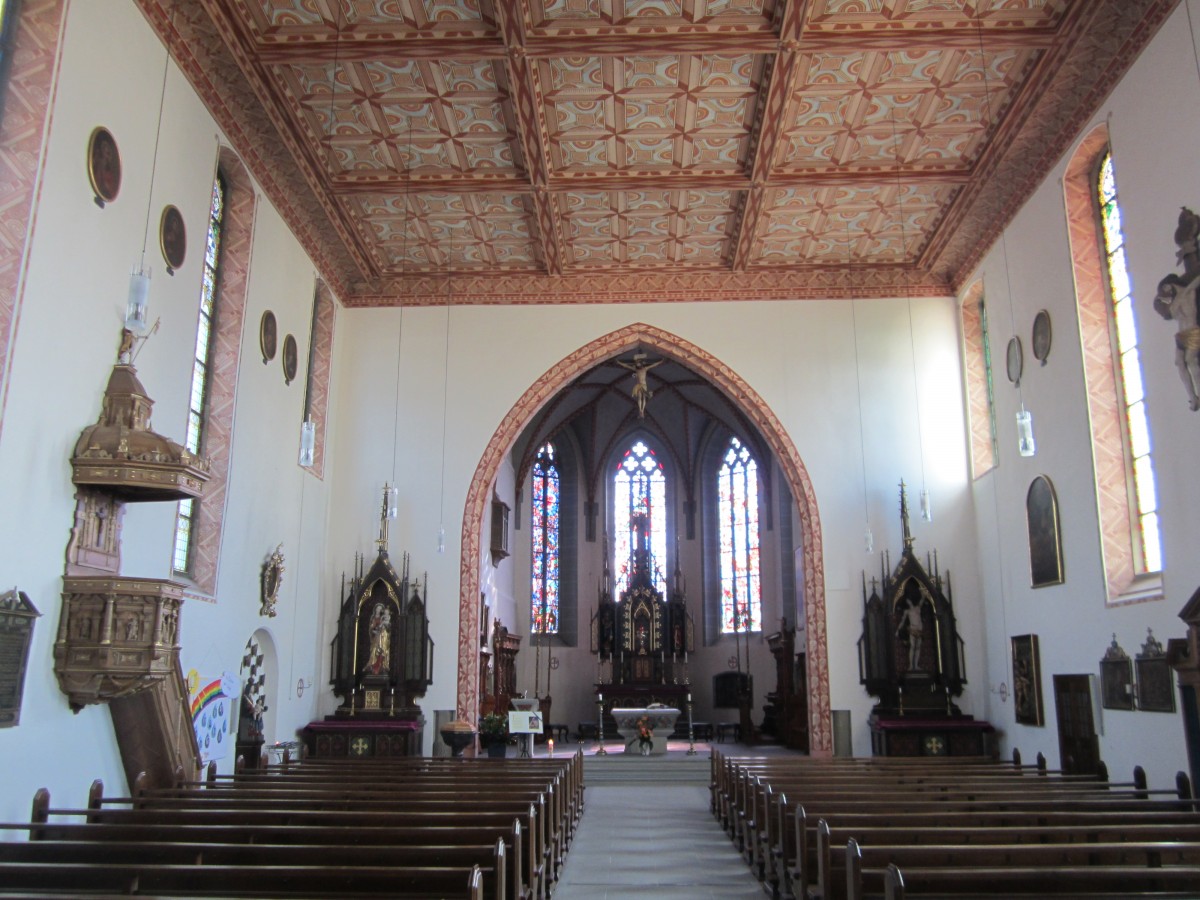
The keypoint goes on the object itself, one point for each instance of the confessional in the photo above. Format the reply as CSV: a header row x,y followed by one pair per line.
x,y
785,717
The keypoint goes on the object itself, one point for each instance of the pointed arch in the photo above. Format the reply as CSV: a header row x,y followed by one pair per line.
x,y
740,393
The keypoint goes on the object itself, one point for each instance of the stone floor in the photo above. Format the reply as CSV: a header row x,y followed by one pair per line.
x,y
658,842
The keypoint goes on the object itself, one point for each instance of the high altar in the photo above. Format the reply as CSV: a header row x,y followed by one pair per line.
x,y
641,640
382,663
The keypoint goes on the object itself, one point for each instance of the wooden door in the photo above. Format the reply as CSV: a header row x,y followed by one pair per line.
x,y
1078,746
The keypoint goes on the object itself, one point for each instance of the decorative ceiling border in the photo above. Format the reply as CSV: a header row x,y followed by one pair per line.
x,y
1092,50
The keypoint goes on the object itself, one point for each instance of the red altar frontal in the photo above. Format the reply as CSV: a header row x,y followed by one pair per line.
x,y
349,739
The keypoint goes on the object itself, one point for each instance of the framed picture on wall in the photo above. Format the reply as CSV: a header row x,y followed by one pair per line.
x,y
1116,678
1027,680
1154,689
103,166
1045,543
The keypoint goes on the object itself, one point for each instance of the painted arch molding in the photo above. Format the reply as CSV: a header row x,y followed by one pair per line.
x,y
557,377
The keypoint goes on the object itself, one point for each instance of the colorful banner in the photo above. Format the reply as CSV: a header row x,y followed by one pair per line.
x,y
213,702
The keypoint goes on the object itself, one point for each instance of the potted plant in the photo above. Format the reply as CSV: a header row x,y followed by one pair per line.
x,y
493,733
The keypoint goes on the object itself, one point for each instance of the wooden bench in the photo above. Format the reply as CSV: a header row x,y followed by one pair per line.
x,y
536,877
1077,882
80,879
798,860
858,870
301,839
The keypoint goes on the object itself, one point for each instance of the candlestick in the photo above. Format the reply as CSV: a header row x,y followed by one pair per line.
x,y
600,726
691,729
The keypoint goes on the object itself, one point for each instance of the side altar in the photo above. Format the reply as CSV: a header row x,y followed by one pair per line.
x,y
911,657
642,642
381,663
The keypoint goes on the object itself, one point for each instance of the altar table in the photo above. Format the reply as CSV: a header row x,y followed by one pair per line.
x,y
660,718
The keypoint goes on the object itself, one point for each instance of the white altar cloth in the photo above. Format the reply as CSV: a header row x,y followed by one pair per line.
x,y
661,720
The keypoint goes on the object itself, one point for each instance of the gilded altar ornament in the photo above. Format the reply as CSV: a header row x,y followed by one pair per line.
x,y
272,577
1176,300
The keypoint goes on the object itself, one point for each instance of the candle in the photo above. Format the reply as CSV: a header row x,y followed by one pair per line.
x,y
550,744
689,698
601,698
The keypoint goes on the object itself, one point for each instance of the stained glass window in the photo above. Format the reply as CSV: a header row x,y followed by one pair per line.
x,y
1143,494
9,10
547,499
737,504
639,486
987,368
186,517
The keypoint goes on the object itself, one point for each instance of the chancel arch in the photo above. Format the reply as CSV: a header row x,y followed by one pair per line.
x,y
744,402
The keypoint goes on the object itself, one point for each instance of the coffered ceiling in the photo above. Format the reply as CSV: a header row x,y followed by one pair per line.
x,y
532,151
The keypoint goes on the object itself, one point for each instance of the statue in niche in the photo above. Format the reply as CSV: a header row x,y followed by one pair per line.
x,y
912,623
381,640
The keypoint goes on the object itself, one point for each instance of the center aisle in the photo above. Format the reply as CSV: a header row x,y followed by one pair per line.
x,y
659,842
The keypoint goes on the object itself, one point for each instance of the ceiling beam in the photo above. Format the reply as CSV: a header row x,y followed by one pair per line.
x,y
355,185
531,134
327,48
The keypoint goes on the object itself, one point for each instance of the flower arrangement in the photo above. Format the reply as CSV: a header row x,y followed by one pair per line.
x,y
493,729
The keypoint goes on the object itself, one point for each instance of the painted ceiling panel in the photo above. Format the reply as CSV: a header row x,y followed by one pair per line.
x,y
560,150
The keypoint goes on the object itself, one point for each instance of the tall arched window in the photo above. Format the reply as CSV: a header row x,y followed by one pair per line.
x,y
186,518
977,364
640,485
547,501
1101,316
741,584
1143,500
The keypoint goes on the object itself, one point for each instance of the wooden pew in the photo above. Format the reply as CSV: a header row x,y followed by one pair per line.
x,y
490,860
860,869
797,862
1075,882
384,840
80,879
255,821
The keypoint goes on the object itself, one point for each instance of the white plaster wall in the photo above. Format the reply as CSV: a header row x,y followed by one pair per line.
x,y
65,342
1156,174
798,356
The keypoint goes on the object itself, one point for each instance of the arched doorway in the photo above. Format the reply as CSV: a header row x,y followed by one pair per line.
x,y
658,341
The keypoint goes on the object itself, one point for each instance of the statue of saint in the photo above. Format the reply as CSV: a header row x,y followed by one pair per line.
x,y
381,640
912,623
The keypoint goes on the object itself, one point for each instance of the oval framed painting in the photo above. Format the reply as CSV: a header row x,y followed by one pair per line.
x,y
103,165
1041,336
268,335
1014,360
289,359
172,237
